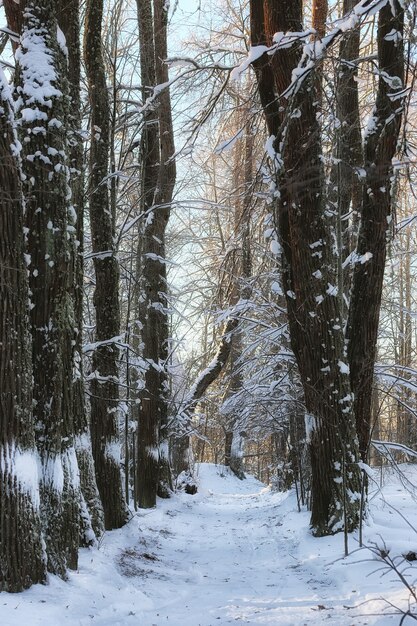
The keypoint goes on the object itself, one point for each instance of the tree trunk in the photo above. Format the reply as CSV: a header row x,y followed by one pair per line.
x,y
104,377
92,515
22,558
240,274
345,192
42,117
149,284
159,175
380,148
309,278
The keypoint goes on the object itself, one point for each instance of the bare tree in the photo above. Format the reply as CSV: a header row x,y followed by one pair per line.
x,y
158,180
309,273
92,516
105,381
379,150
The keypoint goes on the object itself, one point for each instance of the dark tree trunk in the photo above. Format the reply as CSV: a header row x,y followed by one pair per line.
x,y
380,148
150,282
104,377
158,184
345,188
92,515
42,114
166,182
240,273
310,278
22,558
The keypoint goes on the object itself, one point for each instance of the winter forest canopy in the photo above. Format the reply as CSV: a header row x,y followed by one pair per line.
x,y
207,255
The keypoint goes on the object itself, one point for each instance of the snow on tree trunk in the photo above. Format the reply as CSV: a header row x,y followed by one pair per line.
x,y
240,291
310,271
158,179
345,186
42,109
104,377
22,557
380,147
92,515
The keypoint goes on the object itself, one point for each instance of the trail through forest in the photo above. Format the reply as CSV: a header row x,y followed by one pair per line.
x,y
235,553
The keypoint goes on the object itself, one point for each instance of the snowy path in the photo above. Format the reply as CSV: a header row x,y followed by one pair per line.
x,y
233,554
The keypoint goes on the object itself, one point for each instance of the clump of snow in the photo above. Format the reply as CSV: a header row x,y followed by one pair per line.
x,y
52,472
310,425
23,465
343,367
112,451
71,469
38,71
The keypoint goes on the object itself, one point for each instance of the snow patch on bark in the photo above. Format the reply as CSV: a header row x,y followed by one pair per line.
x,y
38,68
53,472
152,453
310,425
71,469
23,466
164,450
112,451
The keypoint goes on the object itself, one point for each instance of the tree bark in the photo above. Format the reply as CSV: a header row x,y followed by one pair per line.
x,y
240,273
22,555
319,17
309,283
345,189
380,148
92,515
149,283
104,377
158,178
42,117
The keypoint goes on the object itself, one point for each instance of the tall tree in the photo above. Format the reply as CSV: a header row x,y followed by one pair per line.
x,y
22,558
315,316
158,180
377,199
42,105
92,516
240,273
105,381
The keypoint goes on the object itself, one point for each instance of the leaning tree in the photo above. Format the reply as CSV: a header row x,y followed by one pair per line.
x,y
336,374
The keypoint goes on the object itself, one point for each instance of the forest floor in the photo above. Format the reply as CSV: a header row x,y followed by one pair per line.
x,y
235,553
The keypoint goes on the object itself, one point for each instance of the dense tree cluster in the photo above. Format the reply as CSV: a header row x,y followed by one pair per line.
x,y
193,259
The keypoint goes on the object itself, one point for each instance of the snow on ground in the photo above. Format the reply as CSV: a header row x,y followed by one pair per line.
x,y
235,553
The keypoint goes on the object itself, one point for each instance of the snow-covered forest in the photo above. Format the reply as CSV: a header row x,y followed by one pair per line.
x,y
208,345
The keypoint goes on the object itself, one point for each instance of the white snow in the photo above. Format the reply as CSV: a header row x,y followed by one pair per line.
x,y
235,553
38,72
23,465
343,367
310,425
112,451
255,52
275,247
52,472
62,42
